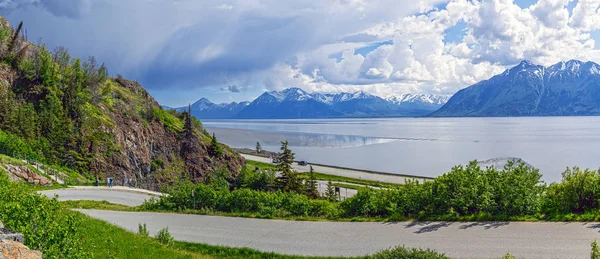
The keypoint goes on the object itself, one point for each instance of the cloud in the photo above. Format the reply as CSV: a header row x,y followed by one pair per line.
x,y
233,89
188,45
224,7
63,8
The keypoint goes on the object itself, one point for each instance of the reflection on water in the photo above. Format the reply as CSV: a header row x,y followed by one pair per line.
x,y
248,138
425,146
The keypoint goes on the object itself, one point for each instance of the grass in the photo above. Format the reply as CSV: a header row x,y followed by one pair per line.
x,y
98,205
168,119
227,252
104,240
325,177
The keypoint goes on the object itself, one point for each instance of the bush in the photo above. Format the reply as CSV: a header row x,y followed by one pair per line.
x,y
165,238
412,253
46,225
577,192
143,230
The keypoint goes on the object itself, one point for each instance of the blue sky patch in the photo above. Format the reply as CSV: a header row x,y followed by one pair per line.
x,y
455,33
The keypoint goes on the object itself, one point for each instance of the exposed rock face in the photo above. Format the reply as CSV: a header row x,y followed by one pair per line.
x,y
14,250
24,174
143,142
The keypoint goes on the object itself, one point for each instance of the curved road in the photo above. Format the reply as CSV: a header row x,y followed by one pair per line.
x,y
124,196
456,239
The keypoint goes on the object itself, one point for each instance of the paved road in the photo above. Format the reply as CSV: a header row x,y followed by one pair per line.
x,y
340,172
458,239
117,196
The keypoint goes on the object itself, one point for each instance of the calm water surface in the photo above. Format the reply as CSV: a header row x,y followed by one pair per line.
x,y
425,146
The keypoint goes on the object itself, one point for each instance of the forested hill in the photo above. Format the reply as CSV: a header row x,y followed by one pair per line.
x,y
69,112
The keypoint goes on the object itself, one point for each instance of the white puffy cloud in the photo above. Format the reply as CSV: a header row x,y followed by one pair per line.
x,y
499,34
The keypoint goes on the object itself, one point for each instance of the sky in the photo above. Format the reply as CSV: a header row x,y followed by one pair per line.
x,y
234,50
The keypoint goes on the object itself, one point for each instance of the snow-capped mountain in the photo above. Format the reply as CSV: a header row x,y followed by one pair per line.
x,y
205,109
289,103
419,98
419,103
297,103
563,89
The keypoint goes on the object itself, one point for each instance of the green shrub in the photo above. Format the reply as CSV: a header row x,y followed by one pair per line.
x,y
595,250
577,192
46,225
412,253
165,238
143,230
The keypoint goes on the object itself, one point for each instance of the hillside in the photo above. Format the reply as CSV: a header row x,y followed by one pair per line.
x,y
565,89
297,103
64,111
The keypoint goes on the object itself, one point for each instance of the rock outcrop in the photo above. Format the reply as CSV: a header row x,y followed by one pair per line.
x,y
11,246
25,174
14,250
144,141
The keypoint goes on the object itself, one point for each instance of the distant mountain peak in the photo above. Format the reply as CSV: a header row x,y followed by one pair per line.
x,y
563,89
419,98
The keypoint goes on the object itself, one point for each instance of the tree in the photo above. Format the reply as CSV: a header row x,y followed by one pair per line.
x,y
288,179
330,192
258,147
311,184
215,148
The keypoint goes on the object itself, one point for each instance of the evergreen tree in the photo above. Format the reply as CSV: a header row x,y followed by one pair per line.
x,y
215,147
330,192
311,185
258,147
288,179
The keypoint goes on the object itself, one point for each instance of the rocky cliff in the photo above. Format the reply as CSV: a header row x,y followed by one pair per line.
x,y
70,112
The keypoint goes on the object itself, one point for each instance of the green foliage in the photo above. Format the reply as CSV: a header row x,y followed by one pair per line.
x,y
311,185
288,179
577,192
143,230
187,196
595,250
412,253
215,148
330,192
169,119
157,164
13,145
46,225
165,238
260,180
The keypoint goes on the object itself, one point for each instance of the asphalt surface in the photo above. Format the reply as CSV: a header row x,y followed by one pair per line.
x,y
456,239
356,174
117,196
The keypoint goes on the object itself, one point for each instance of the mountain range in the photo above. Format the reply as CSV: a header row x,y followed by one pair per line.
x,y
297,103
569,88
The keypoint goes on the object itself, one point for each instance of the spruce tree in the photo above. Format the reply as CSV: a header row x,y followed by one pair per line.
x,y
311,184
214,147
330,192
288,179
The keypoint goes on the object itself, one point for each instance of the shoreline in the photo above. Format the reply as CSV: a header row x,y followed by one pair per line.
x,y
354,173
